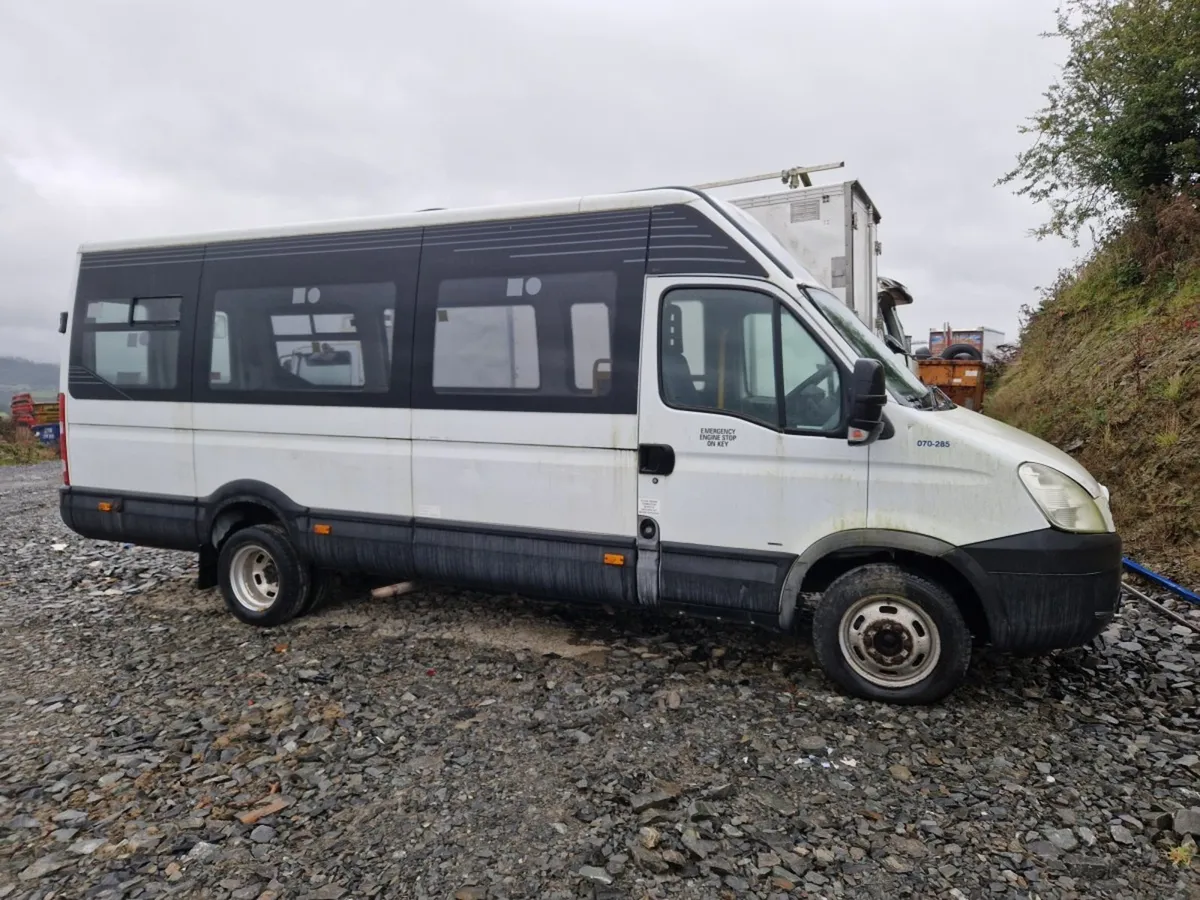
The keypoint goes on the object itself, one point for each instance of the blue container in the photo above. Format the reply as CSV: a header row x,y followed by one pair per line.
x,y
47,434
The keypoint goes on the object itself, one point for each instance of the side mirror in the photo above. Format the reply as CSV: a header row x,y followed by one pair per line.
x,y
868,394
62,323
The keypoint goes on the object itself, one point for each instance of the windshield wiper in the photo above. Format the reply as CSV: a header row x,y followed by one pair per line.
x,y
927,400
940,399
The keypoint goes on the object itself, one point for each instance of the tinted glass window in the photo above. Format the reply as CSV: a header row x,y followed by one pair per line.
x,y
302,338
219,373
758,335
722,350
591,341
132,343
486,347
157,310
812,386
707,345
545,334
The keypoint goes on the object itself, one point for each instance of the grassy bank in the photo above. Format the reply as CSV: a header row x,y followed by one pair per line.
x,y
1109,369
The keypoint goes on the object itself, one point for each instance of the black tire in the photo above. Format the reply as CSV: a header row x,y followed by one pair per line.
x,y
962,351
283,582
321,586
932,616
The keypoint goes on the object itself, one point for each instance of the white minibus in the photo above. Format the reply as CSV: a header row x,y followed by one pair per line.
x,y
637,399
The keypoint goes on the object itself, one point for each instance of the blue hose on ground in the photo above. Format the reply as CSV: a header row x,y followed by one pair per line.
x,y
1171,586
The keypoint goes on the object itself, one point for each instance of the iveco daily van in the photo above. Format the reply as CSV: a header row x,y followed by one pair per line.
x,y
635,399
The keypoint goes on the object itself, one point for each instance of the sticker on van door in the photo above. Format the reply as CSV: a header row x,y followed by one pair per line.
x,y
718,437
648,507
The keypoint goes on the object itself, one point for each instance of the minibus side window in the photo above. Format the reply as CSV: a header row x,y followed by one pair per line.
x,y
133,343
328,362
486,347
591,345
531,336
302,338
723,350
219,369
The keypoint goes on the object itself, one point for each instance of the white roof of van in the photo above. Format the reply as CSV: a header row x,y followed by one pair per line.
x,y
567,206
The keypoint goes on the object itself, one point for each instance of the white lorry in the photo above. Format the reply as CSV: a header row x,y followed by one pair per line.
x,y
833,230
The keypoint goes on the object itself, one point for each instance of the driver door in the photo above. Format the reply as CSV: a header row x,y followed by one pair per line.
x,y
743,460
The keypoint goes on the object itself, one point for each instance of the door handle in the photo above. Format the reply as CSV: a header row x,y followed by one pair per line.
x,y
656,459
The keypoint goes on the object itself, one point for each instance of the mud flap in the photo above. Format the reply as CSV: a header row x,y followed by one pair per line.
x,y
207,576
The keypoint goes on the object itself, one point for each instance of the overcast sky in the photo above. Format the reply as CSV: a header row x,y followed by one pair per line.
x,y
133,118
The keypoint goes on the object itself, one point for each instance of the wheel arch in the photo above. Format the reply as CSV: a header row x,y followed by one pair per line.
x,y
239,504
816,568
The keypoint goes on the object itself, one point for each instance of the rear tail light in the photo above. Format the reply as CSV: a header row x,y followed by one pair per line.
x,y
62,437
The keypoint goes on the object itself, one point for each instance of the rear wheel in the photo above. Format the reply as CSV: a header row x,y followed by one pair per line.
x,y
882,633
262,578
321,586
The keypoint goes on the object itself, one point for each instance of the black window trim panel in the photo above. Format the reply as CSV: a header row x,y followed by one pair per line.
x,y
674,239
129,275
391,256
552,245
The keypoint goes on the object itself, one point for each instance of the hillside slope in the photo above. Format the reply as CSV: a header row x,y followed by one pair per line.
x,y
1109,370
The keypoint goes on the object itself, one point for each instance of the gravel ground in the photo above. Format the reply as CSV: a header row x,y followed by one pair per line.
x,y
454,745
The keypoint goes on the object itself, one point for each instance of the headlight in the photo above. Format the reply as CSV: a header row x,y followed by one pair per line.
x,y
1062,500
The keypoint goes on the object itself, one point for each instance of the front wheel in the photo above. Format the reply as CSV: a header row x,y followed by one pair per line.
x,y
882,633
262,578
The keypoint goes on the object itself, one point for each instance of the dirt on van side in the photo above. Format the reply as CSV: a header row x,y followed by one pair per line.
x,y
447,744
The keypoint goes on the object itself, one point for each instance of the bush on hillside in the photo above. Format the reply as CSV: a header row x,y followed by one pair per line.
x,y
1109,362
1122,124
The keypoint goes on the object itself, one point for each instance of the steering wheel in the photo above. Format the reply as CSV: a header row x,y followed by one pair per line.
x,y
806,404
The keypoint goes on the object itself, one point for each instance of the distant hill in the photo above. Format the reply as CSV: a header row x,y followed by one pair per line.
x,y
21,375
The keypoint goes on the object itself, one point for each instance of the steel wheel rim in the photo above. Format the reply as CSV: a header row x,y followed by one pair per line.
x,y
254,578
889,641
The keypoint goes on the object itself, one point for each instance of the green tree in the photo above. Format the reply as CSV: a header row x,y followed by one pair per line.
x,y
1122,123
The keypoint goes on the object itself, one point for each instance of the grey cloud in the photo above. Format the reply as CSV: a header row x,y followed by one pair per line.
x,y
141,118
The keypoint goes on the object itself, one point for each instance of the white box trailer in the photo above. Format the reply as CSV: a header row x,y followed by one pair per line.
x,y
834,231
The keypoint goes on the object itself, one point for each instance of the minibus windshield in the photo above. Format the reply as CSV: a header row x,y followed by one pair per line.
x,y
901,382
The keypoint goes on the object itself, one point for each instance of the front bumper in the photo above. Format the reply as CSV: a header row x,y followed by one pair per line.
x,y
1047,589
